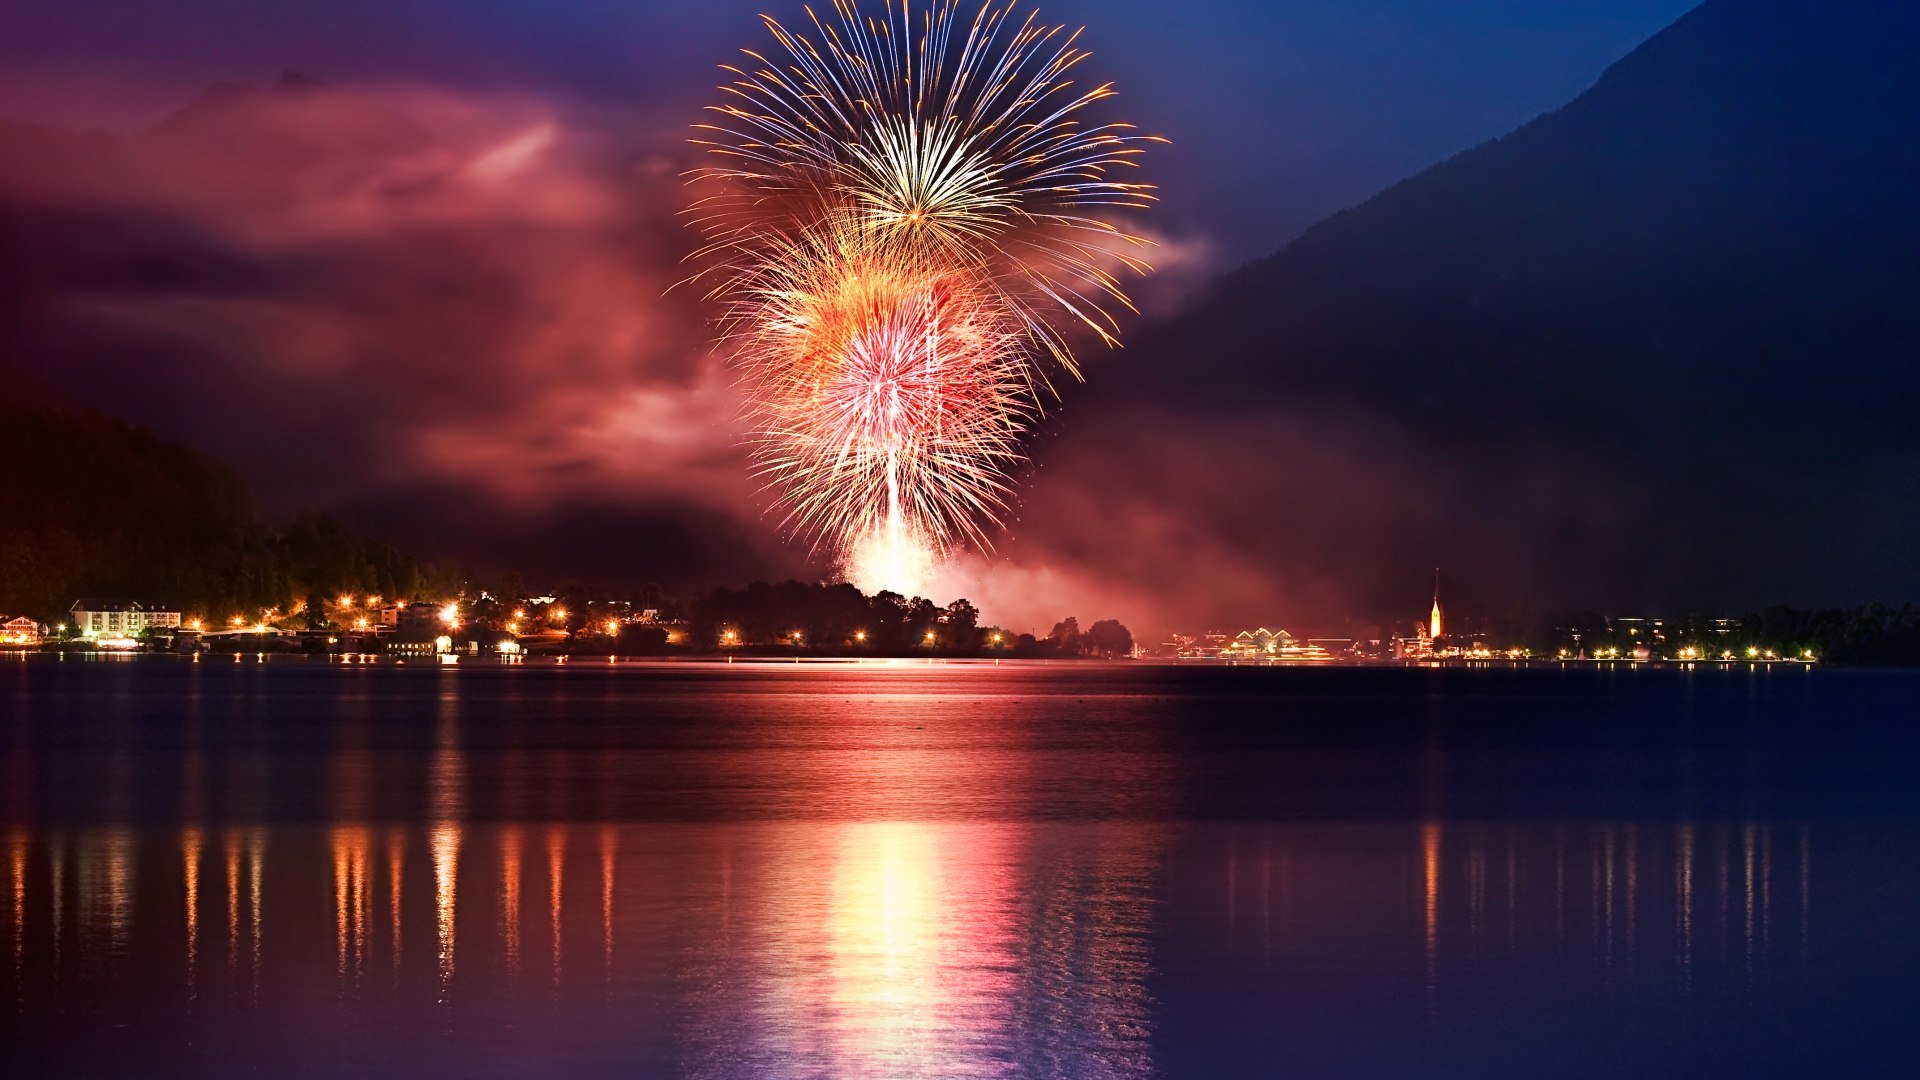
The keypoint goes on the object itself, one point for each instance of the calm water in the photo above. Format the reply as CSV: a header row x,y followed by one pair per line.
x,y
294,868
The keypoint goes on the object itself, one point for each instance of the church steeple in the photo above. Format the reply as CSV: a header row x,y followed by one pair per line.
x,y
1436,604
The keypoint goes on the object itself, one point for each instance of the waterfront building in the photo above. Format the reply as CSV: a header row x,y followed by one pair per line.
x,y
1257,644
121,618
19,630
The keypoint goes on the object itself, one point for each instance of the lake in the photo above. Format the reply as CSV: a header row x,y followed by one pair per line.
x,y
302,868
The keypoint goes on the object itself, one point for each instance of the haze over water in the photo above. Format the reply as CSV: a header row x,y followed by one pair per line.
x,y
296,868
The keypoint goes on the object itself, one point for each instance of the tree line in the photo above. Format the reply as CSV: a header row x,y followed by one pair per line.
x,y
839,617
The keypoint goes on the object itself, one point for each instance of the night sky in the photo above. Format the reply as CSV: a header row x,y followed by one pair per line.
x,y
1281,112
433,296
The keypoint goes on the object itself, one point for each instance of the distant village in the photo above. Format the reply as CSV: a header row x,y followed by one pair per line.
x,y
1621,639
788,619
353,624
793,619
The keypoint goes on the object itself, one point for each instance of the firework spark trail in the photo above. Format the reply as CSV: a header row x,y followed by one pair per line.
x,y
903,222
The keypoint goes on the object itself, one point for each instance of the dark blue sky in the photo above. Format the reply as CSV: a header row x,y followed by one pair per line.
x,y
1282,111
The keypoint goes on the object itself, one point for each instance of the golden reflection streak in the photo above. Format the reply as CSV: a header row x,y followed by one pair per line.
x,y
350,855
510,840
191,843
556,876
609,850
119,849
883,940
339,850
1632,878
449,802
256,858
57,868
1430,858
1766,889
396,877
17,865
1747,864
361,900
445,844
1683,892
233,901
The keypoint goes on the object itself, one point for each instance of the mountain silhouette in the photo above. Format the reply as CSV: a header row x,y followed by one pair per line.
x,y
1691,292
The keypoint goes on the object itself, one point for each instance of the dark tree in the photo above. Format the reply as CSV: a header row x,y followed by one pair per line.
x,y
1109,639
1065,637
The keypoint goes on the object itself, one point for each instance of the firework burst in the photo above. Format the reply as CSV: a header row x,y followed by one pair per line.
x,y
905,216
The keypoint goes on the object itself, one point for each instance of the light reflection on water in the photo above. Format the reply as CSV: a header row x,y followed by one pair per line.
x,y
1092,878
865,948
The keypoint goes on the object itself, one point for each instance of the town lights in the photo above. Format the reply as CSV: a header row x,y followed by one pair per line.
x,y
613,627
450,614
730,638
237,621
346,600
360,624
558,615
929,637
996,639
860,635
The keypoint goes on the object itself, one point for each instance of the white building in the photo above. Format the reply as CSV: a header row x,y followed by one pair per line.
x,y
120,618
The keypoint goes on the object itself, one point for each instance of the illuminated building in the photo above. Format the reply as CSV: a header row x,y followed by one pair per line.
x,y
1434,630
120,618
19,630
407,616
1257,644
